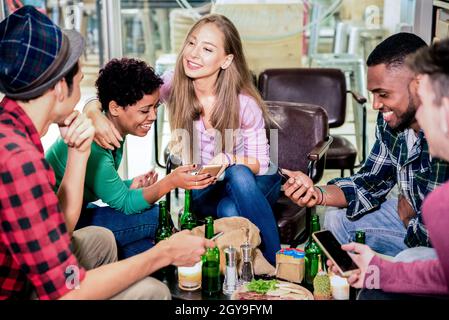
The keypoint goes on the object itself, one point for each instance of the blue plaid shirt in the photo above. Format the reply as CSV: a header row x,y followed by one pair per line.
x,y
388,164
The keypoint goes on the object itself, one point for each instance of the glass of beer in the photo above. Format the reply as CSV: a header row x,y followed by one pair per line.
x,y
189,278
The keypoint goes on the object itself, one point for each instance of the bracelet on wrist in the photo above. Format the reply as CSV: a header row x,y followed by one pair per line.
x,y
322,199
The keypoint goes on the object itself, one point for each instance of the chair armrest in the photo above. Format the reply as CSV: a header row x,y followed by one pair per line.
x,y
361,101
320,149
357,97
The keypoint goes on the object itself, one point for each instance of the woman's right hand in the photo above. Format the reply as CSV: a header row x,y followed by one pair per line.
x,y
183,178
106,135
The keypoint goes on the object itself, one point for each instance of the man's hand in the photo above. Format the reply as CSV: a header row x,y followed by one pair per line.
x,y
405,210
77,131
186,249
299,188
144,180
182,177
362,256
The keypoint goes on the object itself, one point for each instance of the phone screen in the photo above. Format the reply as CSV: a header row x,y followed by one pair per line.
x,y
328,242
213,170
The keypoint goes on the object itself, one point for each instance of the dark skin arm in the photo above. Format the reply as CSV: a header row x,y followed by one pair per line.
x,y
405,210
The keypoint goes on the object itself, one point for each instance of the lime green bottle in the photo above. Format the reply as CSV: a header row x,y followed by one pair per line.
x,y
187,219
163,229
360,236
210,272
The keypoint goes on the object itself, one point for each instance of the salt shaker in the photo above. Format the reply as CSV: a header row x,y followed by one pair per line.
x,y
247,272
231,277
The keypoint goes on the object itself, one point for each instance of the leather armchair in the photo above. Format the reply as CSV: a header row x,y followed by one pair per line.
x,y
301,145
324,87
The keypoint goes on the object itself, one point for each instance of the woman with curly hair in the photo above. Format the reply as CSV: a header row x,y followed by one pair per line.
x,y
211,100
128,90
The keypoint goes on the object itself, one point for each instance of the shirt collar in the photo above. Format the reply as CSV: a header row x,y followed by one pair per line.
x,y
23,122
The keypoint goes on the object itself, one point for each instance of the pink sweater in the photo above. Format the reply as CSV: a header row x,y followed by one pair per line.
x,y
251,139
429,276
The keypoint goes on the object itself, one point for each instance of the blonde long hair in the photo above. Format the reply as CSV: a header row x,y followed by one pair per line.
x,y
183,104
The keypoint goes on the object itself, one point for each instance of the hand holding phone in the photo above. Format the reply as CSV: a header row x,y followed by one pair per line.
x,y
299,188
215,170
332,249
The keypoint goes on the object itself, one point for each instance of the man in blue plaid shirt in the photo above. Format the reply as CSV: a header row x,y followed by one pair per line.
x,y
400,156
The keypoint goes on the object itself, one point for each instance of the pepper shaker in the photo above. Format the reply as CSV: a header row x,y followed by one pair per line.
x,y
247,272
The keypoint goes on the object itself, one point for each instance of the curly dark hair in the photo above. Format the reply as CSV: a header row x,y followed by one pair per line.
x,y
125,81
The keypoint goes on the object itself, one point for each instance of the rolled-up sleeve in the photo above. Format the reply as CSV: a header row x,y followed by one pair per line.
x,y
367,189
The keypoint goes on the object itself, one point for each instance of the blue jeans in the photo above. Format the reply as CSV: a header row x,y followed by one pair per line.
x,y
241,193
383,228
134,233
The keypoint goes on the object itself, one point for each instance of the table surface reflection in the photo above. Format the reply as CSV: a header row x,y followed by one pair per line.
x,y
170,278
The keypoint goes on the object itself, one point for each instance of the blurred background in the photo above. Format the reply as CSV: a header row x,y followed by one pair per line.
x,y
275,33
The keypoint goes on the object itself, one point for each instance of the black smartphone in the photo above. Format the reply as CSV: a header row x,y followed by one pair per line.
x,y
332,249
284,177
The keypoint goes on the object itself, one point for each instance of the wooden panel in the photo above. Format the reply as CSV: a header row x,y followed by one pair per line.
x,y
354,9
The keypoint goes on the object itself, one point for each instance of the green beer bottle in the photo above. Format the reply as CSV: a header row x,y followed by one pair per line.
x,y
312,252
210,272
360,236
163,229
187,219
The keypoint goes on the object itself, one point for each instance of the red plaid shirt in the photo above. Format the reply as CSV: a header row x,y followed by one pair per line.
x,y
34,243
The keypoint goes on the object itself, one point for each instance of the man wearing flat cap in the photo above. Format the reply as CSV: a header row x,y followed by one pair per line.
x,y
41,256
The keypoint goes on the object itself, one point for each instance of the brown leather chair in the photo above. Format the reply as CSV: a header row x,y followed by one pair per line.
x,y
301,145
323,87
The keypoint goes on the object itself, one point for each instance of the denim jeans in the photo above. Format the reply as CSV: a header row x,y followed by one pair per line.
x,y
241,193
383,228
134,233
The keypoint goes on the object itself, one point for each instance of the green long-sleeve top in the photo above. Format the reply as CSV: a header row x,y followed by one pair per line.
x,y
102,179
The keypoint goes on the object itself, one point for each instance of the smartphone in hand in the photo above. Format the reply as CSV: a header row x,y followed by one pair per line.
x,y
213,169
332,249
